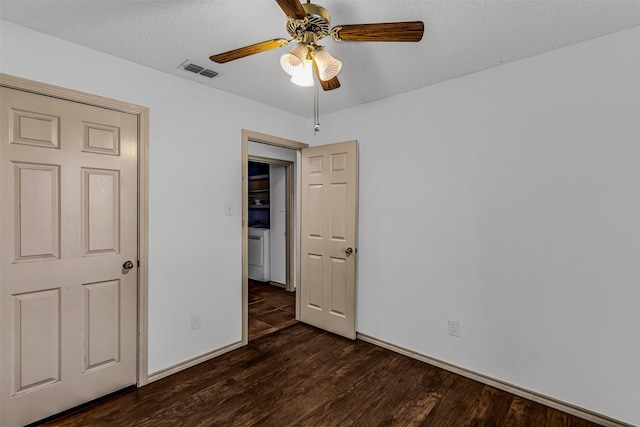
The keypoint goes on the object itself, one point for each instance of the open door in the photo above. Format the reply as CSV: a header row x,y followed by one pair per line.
x,y
328,237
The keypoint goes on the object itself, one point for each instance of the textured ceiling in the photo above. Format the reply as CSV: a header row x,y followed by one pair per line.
x,y
461,37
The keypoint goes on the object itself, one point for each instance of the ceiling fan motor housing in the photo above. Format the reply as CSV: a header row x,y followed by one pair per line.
x,y
316,22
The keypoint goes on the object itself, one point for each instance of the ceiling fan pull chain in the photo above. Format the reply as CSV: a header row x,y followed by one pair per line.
x,y
316,110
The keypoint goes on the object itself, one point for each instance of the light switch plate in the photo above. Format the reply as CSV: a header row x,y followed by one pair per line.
x,y
454,328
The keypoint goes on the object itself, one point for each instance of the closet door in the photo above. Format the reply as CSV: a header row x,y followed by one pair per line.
x,y
68,224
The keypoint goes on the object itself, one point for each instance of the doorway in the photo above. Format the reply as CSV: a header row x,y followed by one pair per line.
x,y
279,153
271,288
326,226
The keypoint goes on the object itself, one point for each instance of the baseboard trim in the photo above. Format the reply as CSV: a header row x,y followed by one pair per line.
x,y
501,385
192,362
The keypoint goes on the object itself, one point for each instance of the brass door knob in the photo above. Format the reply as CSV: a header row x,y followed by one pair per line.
x,y
128,265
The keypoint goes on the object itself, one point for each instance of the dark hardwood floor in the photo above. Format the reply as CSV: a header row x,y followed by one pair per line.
x,y
303,376
270,309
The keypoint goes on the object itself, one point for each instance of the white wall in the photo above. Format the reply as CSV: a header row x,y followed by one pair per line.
x,y
510,200
195,167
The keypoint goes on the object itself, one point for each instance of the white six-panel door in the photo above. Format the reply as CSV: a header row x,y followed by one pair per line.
x,y
68,222
328,237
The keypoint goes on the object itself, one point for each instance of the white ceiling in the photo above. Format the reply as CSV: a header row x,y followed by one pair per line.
x,y
461,37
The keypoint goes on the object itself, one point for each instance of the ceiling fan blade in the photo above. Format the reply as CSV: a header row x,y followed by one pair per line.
x,y
330,84
292,8
383,32
221,58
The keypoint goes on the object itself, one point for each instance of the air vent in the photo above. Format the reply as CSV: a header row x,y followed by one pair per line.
x,y
194,68
208,73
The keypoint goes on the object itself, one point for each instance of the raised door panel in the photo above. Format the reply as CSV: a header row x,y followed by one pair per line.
x,y
101,139
101,211
316,166
102,313
338,221
313,265
339,162
315,203
36,205
338,287
36,329
34,128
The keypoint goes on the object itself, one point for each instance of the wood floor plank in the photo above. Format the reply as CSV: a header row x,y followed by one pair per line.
x,y
302,376
352,384
271,308
457,403
491,406
558,418
524,413
277,317
260,307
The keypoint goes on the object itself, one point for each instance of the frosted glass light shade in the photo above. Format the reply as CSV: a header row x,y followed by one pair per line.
x,y
294,59
328,66
303,76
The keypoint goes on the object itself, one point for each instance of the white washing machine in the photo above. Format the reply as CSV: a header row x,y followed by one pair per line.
x,y
259,259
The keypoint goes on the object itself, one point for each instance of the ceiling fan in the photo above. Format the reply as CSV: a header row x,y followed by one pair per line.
x,y
307,24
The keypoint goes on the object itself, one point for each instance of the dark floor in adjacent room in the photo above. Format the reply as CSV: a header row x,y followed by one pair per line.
x,y
271,308
303,376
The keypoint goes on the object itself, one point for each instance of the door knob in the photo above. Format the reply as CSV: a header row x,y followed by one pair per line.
x,y
348,251
128,265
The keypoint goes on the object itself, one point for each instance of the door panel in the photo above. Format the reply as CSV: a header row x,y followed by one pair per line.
x,y
329,228
36,200
102,315
68,221
36,339
101,211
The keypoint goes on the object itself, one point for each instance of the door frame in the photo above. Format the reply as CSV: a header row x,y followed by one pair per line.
x,y
142,114
248,135
288,173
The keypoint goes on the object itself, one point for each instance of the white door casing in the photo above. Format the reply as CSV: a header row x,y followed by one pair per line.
x,y
68,222
329,237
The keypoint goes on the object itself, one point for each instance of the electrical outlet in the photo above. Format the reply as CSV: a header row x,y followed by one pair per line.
x,y
454,328
196,321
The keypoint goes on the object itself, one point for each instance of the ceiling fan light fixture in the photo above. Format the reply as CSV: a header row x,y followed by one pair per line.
x,y
303,75
307,24
294,59
328,66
